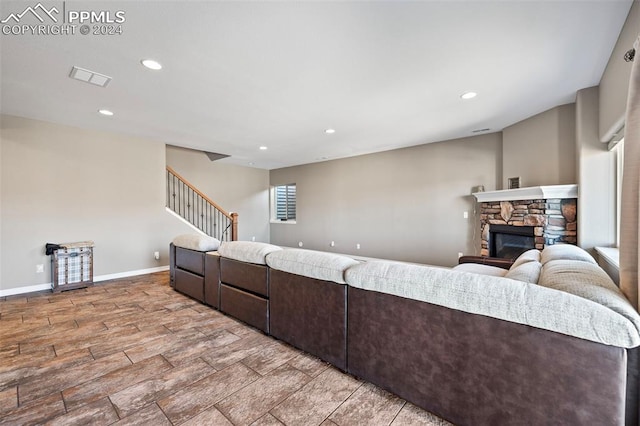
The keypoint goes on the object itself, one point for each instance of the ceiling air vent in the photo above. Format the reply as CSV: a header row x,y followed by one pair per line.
x,y
87,76
480,130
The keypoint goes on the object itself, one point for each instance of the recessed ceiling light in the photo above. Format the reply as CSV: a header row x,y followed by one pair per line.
x,y
105,112
468,95
263,148
151,64
330,131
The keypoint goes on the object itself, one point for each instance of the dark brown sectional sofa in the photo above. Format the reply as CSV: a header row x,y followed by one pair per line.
x,y
309,307
482,370
473,348
195,274
244,292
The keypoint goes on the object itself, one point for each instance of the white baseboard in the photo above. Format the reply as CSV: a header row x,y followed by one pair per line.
x,y
25,289
96,279
130,273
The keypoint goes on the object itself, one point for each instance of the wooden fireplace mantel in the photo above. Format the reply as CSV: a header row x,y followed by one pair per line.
x,y
531,193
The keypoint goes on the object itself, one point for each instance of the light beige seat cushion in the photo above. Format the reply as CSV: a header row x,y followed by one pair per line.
x,y
247,251
314,264
196,242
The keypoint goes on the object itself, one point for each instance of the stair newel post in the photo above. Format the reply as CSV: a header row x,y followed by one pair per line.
x,y
234,226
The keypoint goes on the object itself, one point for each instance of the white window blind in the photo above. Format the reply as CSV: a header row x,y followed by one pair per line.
x,y
285,202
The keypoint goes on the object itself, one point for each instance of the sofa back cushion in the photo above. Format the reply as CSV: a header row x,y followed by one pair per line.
x,y
528,272
589,281
309,263
247,251
196,242
566,252
532,255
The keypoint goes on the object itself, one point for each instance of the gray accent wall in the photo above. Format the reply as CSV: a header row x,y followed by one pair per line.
x,y
614,83
405,204
541,149
244,190
63,184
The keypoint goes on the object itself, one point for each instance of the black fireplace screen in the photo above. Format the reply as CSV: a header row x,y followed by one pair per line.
x,y
509,242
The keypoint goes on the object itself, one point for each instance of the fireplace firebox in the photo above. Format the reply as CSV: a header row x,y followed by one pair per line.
x,y
509,242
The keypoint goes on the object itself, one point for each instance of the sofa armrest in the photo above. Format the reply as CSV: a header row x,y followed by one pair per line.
x,y
484,260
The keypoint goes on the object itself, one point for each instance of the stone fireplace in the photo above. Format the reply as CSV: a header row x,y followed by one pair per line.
x,y
548,213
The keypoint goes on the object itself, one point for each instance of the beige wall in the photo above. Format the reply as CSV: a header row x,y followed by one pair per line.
x,y
614,84
597,177
244,190
405,204
541,149
62,184
0,204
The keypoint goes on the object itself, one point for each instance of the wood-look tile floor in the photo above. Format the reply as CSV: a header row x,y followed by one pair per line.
x,y
135,352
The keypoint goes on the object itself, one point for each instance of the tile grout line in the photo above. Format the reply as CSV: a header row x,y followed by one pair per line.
x,y
64,402
115,408
345,400
398,413
223,398
163,413
278,418
131,361
221,413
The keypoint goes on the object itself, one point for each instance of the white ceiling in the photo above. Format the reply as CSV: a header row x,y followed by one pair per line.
x,y
385,74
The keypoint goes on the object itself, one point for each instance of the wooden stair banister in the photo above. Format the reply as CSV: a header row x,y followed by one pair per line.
x,y
234,226
208,215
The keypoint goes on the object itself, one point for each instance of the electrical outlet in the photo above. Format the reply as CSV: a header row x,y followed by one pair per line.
x,y
465,215
253,238
156,255
300,244
357,246
39,268
333,244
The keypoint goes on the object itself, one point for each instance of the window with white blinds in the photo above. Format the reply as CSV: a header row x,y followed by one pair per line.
x,y
284,202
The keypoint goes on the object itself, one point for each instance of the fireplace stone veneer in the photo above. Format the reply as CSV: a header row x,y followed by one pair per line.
x,y
553,220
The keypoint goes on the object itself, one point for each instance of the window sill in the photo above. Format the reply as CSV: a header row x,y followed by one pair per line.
x,y
610,254
284,222
608,259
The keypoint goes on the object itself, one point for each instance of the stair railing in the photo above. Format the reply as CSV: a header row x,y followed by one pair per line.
x,y
188,202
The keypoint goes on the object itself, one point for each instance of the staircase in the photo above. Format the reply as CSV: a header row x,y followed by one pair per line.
x,y
196,208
